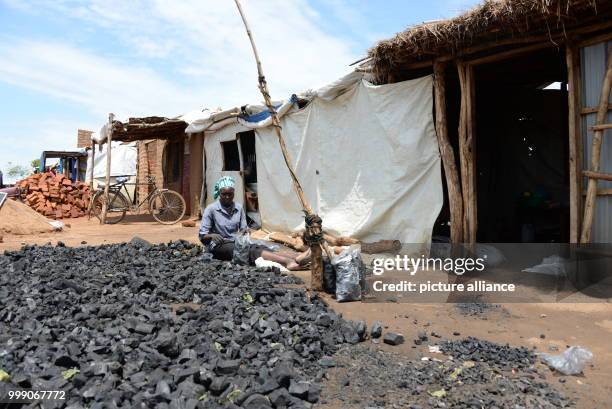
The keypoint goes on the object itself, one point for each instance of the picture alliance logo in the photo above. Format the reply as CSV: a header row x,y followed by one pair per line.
x,y
458,266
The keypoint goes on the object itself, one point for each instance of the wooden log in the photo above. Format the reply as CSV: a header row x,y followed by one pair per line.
x,y
601,127
575,138
597,175
316,268
590,201
593,110
467,151
382,246
451,173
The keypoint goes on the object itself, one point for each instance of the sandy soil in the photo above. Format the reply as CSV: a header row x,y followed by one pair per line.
x,y
585,324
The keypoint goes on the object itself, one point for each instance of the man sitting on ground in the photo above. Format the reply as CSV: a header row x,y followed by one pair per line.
x,y
223,219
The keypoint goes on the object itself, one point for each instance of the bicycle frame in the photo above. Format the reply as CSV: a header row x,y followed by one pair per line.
x,y
114,188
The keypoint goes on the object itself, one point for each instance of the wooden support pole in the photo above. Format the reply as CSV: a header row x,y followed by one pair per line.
x,y
575,138
109,140
93,157
448,156
590,201
467,151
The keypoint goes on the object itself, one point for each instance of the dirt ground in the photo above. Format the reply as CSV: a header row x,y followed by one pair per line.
x,y
538,326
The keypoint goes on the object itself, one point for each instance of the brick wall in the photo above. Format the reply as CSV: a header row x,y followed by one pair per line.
x,y
150,155
83,138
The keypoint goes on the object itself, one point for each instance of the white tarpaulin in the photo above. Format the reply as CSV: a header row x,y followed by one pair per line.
x,y
123,160
368,161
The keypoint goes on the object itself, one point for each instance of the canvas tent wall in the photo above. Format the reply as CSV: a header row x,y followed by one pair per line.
x,y
124,159
366,156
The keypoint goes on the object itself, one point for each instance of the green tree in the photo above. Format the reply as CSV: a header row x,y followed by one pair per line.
x,y
17,171
35,164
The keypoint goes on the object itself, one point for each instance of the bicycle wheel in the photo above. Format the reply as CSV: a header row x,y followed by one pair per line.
x,y
167,207
116,210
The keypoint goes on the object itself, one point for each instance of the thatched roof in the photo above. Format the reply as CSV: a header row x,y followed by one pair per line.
x,y
153,127
493,24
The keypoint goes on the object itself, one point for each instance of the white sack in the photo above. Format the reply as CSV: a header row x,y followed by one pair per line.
x,y
368,162
123,160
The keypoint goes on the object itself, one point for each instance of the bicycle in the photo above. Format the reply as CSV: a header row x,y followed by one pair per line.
x,y
166,206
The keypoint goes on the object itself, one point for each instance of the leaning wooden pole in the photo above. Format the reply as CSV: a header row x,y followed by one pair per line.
x,y
109,140
91,178
453,184
314,230
591,197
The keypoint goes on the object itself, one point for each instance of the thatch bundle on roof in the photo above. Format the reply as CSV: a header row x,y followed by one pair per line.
x,y
492,23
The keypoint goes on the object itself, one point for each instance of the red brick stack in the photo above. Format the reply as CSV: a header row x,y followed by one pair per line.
x,y
55,196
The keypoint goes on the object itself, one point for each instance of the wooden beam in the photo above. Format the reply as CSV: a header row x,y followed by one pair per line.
x,y
575,138
597,175
601,192
601,127
590,201
511,53
109,140
602,38
453,183
593,110
467,151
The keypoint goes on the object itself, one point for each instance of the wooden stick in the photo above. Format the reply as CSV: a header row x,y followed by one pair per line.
x,y
597,175
590,201
109,139
592,110
573,77
316,264
453,183
601,127
263,87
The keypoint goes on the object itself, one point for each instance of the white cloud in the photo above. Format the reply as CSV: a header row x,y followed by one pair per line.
x,y
202,41
167,58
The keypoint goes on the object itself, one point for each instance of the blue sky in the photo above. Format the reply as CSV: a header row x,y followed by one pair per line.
x,y
66,64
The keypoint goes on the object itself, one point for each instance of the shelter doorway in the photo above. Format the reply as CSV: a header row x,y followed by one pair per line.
x,y
522,153
246,141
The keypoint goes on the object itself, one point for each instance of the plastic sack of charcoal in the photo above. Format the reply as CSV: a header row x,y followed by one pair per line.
x,y
242,244
329,277
570,362
350,274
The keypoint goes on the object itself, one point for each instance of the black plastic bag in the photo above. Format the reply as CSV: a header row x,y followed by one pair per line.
x,y
329,277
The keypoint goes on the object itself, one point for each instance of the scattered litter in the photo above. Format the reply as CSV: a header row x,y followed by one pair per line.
x,y
438,394
57,225
571,362
434,349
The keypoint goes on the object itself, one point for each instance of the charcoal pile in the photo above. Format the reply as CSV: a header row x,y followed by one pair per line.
x,y
55,196
141,326
367,377
503,357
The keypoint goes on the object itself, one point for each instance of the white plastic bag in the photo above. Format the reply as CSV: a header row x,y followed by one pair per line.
x,y
570,362
242,245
